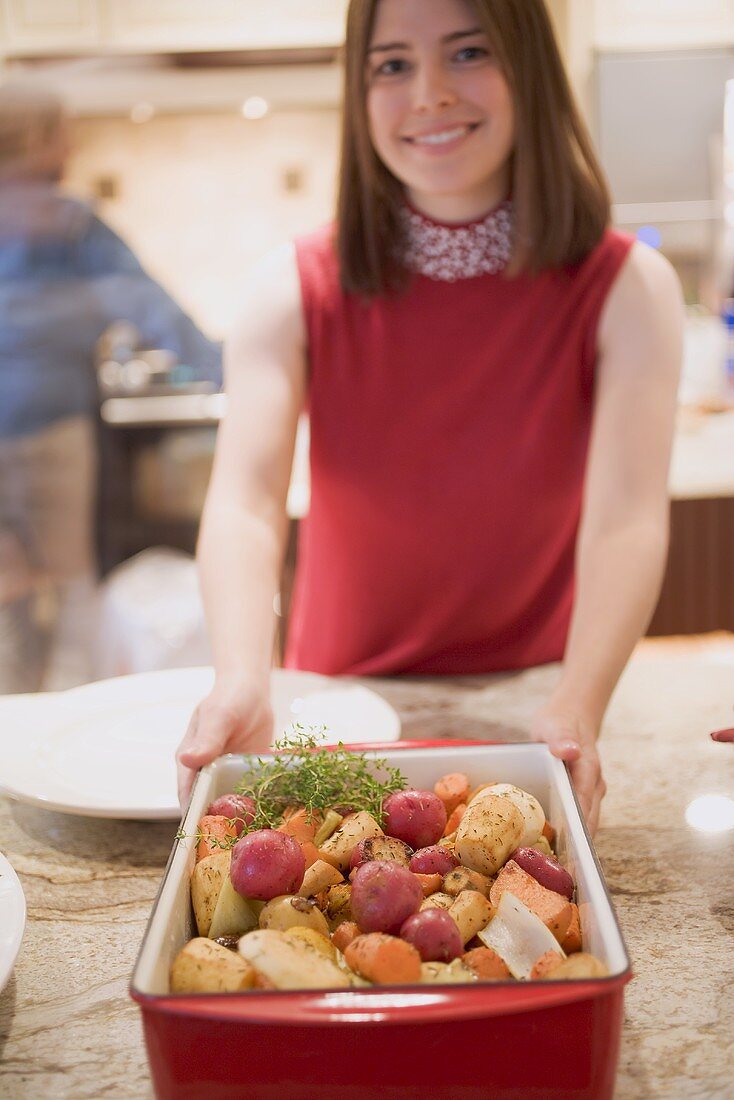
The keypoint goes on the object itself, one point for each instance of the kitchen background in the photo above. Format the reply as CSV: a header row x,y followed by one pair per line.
x,y
206,132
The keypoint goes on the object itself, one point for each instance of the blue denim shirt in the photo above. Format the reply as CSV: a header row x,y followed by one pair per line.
x,y
64,277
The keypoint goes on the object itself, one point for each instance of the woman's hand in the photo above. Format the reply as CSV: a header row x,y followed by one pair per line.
x,y
573,739
235,717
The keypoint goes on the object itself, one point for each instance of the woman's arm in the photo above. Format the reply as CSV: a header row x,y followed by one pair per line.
x,y
244,525
623,538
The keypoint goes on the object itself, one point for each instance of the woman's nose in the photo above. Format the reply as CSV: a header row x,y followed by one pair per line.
x,y
433,88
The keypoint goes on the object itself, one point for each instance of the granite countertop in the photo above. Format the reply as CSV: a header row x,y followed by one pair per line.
x,y
69,1029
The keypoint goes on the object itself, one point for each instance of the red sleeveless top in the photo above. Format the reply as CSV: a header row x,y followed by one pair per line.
x,y
449,434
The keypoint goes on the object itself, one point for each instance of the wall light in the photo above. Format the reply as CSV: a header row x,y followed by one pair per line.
x,y
255,107
711,813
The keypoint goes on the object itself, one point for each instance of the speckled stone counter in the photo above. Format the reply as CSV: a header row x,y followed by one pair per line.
x,y
69,1030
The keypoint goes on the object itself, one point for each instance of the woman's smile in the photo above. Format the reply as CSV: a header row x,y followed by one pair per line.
x,y
440,111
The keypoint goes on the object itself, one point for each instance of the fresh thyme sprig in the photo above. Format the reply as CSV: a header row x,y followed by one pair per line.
x,y
306,774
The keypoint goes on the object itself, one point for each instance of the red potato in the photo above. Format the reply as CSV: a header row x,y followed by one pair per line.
x,y
416,817
434,935
545,869
240,808
266,864
383,896
434,860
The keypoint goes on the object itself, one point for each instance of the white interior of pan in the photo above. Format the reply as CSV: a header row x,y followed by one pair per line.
x,y
529,766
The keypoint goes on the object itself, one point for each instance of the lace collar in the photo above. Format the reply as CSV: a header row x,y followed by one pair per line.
x,y
452,252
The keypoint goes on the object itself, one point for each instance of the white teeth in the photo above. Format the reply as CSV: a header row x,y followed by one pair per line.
x,y
443,138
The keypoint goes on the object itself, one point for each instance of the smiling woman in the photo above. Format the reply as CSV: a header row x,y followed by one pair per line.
x,y
490,372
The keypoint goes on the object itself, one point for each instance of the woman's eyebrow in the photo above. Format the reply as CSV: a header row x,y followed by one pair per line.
x,y
453,37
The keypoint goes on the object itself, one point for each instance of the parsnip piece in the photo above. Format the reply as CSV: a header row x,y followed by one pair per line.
x,y
337,850
438,973
490,830
518,936
439,900
531,810
233,915
461,878
471,911
288,964
206,883
203,966
579,965
329,825
293,911
319,876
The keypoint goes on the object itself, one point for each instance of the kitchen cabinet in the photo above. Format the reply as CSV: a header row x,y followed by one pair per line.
x,y
657,24
141,26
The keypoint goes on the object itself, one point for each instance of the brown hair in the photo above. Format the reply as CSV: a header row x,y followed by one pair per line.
x,y
31,122
560,197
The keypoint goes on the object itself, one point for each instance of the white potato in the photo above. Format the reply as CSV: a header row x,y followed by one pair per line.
x,y
233,915
206,883
293,911
528,806
489,831
288,964
203,966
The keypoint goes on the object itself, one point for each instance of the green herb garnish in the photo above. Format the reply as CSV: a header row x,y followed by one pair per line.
x,y
304,773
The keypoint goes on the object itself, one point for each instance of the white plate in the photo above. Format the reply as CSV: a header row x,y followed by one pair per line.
x,y
107,749
12,919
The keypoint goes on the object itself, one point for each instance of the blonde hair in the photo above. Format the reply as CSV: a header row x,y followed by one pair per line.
x,y
31,131
560,196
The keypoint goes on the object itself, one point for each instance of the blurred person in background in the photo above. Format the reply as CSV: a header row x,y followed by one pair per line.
x,y
65,277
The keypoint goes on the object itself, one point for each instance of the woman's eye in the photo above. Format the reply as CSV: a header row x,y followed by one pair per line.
x,y
472,53
394,66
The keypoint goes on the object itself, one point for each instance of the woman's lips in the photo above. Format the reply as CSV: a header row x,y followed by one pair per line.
x,y
446,136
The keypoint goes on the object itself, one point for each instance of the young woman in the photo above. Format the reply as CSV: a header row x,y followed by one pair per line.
x,y
490,373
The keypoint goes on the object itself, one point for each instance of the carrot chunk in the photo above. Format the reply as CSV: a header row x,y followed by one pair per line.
x,y
486,964
452,789
571,942
383,959
429,883
454,819
214,831
342,936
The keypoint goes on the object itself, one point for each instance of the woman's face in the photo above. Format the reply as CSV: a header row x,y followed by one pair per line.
x,y
439,108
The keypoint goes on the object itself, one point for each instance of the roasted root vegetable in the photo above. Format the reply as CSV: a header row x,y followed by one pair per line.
x,y
546,869
486,965
267,863
438,973
434,934
491,828
338,849
452,789
531,810
383,896
386,848
383,959
553,909
461,878
471,912
518,936
216,834
319,876
289,964
579,966
233,915
417,817
206,882
203,966
316,940
293,911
